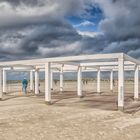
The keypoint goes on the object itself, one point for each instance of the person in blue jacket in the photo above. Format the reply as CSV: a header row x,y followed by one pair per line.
x,y
24,85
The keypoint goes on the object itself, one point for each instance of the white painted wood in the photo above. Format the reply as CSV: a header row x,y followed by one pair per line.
x,y
111,80
36,81
61,79
79,82
99,81
136,83
129,58
121,83
31,80
47,83
115,63
51,81
1,93
63,59
4,82
106,62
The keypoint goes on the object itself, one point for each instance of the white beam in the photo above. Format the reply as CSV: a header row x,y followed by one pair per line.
x,y
113,63
69,63
31,81
121,84
4,82
79,82
51,80
47,83
61,79
129,58
1,84
63,59
36,81
111,80
136,83
99,81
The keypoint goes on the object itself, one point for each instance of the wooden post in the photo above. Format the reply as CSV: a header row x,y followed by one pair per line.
x,y
4,82
121,83
136,83
99,81
36,82
61,79
31,81
79,82
47,83
1,84
111,80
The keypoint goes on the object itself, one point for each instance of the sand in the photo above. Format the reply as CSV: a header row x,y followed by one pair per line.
x,y
95,117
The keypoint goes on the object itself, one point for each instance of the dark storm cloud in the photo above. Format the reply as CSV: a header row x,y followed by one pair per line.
x,y
38,28
48,36
121,26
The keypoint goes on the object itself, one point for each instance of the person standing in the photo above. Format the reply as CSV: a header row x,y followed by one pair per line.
x,y
24,85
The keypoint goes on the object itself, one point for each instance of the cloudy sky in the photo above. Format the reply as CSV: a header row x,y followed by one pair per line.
x,y
48,28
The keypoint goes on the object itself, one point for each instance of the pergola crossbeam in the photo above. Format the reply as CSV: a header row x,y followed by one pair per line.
x,y
83,63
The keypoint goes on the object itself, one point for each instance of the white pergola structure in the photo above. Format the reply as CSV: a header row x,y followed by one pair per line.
x,y
119,62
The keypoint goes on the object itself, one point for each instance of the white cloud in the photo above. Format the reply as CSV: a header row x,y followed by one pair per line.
x,y
89,33
85,23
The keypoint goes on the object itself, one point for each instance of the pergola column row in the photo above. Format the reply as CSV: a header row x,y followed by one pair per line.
x,y
79,82
49,82
3,82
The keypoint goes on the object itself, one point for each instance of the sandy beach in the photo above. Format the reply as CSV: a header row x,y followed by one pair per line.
x,y
94,117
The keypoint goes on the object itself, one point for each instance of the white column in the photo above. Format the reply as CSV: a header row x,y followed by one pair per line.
x,y
111,80
98,81
31,81
51,81
136,83
47,83
120,83
79,82
36,82
61,79
4,81
0,83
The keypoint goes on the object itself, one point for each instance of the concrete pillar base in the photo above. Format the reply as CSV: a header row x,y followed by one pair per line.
x,y
61,89
82,96
120,108
136,99
48,102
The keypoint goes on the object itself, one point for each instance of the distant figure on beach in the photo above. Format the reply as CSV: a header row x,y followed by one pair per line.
x,y
39,87
84,82
24,85
113,82
55,81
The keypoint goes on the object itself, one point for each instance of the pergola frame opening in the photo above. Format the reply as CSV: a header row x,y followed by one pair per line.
x,y
118,62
